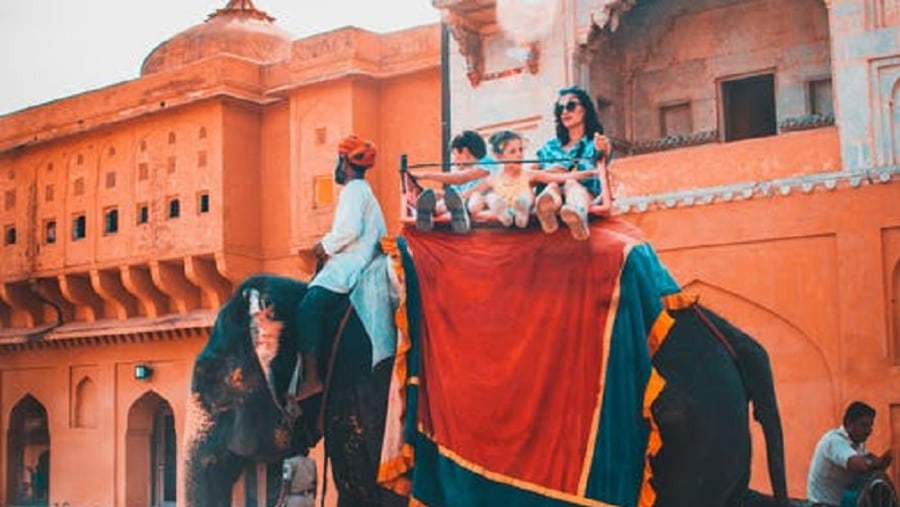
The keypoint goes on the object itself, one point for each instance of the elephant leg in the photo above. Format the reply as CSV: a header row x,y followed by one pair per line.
x,y
353,435
211,477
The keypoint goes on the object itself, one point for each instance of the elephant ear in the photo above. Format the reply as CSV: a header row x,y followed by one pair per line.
x,y
217,368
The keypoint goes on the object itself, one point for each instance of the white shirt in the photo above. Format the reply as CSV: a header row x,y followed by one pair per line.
x,y
353,241
828,473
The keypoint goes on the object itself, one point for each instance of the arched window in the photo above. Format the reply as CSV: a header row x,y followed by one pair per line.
x,y
28,454
150,453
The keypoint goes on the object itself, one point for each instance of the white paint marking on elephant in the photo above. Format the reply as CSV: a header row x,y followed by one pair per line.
x,y
264,331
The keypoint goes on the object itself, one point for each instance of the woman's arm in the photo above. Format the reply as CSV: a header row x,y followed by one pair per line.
x,y
605,197
452,177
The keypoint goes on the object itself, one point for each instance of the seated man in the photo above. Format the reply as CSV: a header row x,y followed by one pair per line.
x,y
841,461
471,165
346,250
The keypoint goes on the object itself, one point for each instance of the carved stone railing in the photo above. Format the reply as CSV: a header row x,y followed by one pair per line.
x,y
624,147
811,121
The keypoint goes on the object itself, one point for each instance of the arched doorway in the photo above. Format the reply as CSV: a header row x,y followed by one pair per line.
x,y
150,448
28,454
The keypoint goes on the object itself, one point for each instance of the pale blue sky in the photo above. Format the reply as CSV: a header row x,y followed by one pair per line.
x,y
50,49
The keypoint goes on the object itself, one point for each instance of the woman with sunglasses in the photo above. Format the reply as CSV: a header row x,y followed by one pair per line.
x,y
579,145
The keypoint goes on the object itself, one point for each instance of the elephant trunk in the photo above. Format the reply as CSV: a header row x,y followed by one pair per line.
x,y
771,425
210,470
759,384
761,390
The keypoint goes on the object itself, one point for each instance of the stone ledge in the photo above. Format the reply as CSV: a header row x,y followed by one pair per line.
x,y
744,191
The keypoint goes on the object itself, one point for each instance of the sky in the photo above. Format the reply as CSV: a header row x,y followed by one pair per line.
x,y
51,49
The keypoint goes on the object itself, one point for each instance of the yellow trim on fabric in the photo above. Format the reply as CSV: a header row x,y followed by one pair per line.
x,y
659,331
517,483
680,300
396,468
615,299
391,474
655,386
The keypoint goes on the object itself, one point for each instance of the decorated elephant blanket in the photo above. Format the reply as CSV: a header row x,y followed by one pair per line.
x,y
523,374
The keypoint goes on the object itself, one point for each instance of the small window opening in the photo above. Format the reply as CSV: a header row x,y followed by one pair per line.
x,y
203,203
50,232
675,119
79,227
111,221
143,214
9,235
174,208
749,107
820,97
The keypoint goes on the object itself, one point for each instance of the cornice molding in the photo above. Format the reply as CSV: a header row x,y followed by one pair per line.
x,y
109,332
782,187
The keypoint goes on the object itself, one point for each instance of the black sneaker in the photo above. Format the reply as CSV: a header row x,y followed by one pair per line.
x,y
459,216
425,210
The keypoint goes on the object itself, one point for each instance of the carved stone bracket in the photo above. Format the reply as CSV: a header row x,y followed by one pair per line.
x,y
471,46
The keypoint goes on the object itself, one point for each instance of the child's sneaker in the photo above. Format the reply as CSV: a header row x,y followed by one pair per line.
x,y
521,208
459,216
425,210
576,219
501,211
545,209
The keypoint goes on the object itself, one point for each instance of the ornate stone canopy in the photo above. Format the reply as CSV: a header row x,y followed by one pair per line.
x,y
470,20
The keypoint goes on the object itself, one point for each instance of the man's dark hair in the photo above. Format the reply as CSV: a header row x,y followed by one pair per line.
x,y
856,410
470,140
592,124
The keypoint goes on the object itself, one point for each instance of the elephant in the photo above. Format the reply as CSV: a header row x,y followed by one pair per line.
x,y
237,412
240,378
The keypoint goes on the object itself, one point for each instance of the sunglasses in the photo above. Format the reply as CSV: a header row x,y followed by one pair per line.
x,y
568,106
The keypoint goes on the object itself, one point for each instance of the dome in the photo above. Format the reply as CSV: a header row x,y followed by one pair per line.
x,y
238,29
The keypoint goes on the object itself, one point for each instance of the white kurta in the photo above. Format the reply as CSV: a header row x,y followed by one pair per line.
x,y
354,238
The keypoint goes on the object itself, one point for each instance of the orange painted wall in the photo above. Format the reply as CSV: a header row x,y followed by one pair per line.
x,y
50,376
788,155
410,124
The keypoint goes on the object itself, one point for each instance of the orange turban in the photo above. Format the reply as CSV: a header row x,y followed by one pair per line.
x,y
358,151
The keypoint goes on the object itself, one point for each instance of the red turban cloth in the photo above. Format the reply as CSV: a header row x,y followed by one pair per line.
x,y
358,151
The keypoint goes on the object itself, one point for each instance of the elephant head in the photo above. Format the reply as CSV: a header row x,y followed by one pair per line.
x,y
237,408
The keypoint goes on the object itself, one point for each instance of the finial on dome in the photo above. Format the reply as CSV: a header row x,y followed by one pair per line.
x,y
242,8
